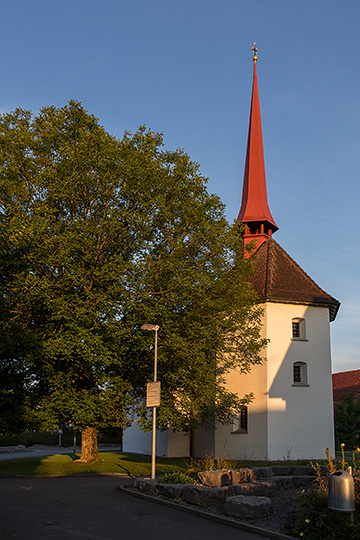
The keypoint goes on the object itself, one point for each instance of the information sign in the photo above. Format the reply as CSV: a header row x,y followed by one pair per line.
x,y
153,394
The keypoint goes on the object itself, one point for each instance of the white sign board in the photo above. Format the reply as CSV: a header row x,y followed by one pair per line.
x,y
153,394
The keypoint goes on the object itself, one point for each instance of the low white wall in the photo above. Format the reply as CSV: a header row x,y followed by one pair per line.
x,y
137,441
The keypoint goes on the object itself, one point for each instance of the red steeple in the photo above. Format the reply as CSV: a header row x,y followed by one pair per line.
x,y
254,209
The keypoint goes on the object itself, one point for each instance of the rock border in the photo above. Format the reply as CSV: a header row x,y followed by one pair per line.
x,y
239,494
206,515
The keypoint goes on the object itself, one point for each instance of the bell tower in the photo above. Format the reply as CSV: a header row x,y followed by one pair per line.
x,y
254,211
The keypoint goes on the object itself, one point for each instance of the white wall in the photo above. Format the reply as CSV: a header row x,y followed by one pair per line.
x,y
286,421
253,444
168,443
300,418
137,441
178,444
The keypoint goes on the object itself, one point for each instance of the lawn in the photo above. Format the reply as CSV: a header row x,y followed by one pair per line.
x,y
116,462
109,463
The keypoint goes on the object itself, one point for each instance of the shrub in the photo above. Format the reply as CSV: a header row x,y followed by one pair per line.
x,y
177,477
314,521
9,440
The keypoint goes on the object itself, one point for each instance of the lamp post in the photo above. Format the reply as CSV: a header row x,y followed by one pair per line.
x,y
153,397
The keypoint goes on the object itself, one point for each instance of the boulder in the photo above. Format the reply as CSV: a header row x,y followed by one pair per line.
x,y
251,507
285,482
146,484
172,491
283,470
226,477
222,477
263,472
203,496
303,481
267,489
241,476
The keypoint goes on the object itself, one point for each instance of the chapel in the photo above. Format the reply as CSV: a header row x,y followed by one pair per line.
x,y
291,416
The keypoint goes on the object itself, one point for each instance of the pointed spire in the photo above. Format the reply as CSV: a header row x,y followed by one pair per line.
x,y
254,209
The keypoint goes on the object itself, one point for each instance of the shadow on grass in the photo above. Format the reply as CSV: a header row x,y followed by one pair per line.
x,y
74,457
69,464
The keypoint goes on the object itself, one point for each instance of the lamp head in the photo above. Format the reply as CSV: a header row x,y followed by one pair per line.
x,y
150,327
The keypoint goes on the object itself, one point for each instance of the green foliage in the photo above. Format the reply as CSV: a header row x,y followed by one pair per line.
x,y
98,236
177,477
9,440
314,520
347,419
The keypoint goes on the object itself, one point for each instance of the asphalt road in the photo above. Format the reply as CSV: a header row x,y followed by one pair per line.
x,y
93,508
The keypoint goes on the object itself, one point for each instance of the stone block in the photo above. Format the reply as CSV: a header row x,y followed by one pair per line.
x,y
241,476
226,477
251,507
266,489
222,477
172,491
285,482
263,472
281,470
146,484
303,481
202,495
303,470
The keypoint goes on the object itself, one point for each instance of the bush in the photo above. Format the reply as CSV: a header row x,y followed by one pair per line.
x,y
51,438
9,440
177,477
314,521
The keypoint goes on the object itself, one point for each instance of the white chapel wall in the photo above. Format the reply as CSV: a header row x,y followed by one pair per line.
x,y
300,418
253,444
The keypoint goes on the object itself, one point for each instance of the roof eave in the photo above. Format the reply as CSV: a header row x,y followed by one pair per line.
x,y
333,308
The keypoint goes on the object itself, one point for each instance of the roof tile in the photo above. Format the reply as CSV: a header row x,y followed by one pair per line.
x,y
279,278
344,382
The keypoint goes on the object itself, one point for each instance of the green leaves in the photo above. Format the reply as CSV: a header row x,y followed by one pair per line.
x,y
347,419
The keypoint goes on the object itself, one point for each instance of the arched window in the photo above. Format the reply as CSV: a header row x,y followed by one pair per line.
x,y
298,329
300,376
240,424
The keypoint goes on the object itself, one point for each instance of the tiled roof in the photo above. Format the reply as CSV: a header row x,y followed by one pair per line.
x,y
278,278
344,382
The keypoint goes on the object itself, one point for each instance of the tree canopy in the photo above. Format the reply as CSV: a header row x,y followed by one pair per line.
x,y
97,236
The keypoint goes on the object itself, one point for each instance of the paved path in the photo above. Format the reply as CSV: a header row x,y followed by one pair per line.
x,y
93,508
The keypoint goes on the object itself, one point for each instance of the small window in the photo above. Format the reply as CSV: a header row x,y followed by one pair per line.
x,y
240,424
298,329
300,374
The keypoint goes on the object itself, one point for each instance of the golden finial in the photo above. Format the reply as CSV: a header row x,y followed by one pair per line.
x,y
255,50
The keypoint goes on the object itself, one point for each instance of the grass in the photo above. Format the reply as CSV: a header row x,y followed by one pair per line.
x,y
115,462
109,462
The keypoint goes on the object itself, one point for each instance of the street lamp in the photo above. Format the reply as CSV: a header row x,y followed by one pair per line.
x,y
153,396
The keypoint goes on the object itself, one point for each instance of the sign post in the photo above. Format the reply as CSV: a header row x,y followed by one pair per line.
x,y
153,397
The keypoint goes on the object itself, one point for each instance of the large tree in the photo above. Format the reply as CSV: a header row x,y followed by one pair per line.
x,y
104,235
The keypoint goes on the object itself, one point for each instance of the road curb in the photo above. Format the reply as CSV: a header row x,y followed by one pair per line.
x,y
207,515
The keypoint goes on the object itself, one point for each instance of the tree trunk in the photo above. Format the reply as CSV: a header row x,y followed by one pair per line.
x,y
89,446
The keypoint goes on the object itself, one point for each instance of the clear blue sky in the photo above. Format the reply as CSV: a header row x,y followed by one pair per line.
x,y
185,68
